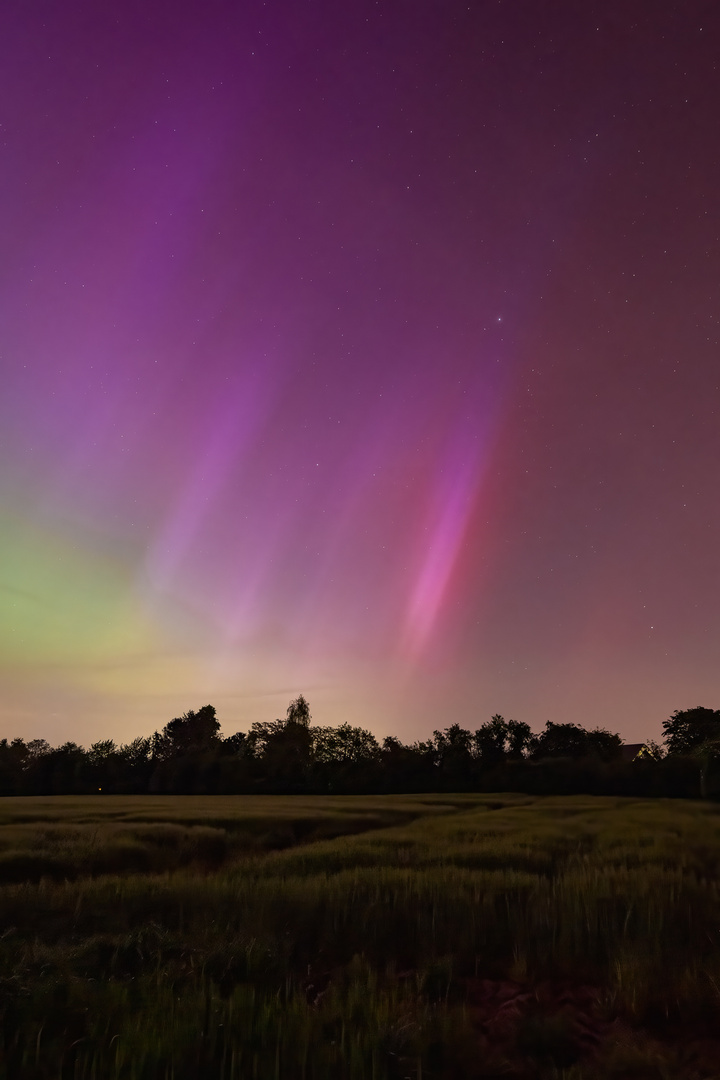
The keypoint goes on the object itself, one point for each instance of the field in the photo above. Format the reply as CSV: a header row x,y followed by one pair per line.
x,y
359,937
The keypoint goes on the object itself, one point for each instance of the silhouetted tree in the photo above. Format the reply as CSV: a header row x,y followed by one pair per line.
x,y
499,740
193,732
408,768
289,755
104,765
520,739
136,753
282,749
707,755
695,733
61,770
13,759
298,712
453,756
137,764
687,729
235,744
489,742
344,758
573,741
344,744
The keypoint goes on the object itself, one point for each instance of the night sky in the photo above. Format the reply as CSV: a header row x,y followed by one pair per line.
x,y
367,350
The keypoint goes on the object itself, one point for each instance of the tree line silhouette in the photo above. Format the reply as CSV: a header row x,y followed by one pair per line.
x,y
291,756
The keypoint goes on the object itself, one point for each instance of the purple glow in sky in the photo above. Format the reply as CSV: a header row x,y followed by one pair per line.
x,y
365,350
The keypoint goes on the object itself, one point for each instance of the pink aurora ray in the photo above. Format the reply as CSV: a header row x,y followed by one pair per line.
x,y
454,501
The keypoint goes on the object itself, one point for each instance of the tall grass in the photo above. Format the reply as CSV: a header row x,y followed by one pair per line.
x,y
469,936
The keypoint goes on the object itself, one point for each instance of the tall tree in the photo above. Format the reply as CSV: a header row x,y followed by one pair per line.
x,y
282,750
298,712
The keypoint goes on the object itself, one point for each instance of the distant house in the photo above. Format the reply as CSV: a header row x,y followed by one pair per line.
x,y
630,750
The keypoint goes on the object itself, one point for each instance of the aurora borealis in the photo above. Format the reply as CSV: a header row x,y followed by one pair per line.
x,y
363,350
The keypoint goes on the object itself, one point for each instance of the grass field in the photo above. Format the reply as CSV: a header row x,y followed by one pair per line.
x,y
359,937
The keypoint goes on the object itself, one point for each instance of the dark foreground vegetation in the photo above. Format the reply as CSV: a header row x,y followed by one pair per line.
x,y
291,756
420,937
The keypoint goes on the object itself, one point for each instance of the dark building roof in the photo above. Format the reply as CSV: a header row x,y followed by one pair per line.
x,y
630,750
